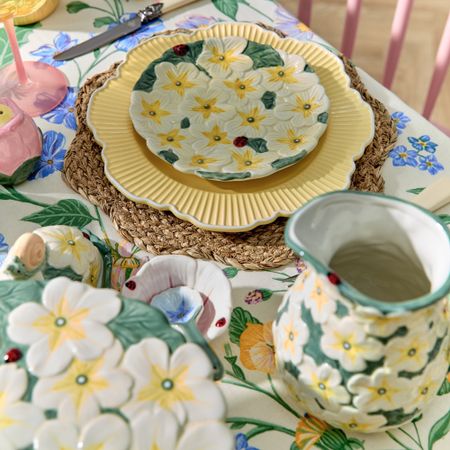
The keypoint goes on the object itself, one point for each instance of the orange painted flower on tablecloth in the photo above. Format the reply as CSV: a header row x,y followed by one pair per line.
x,y
309,431
257,350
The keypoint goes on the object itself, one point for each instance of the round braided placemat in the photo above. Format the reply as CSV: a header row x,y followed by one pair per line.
x,y
160,232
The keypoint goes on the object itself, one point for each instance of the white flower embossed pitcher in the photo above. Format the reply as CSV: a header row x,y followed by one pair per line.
x,y
362,337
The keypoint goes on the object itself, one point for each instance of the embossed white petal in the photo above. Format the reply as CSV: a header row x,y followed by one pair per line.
x,y
69,323
169,136
320,299
56,434
304,107
85,387
67,247
352,419
291,335
220,57
322,382
208,435
204,159
380,390
345,341
19,420
179,383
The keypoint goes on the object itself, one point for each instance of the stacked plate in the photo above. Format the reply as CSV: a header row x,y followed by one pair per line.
x,y
229,127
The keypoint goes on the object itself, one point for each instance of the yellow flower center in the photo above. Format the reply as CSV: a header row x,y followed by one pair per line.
x,y
252,118
6,114
178,82
207,106
246,159
174,138
216,136
293,139
305,107
202,161
223,59
281,73
241,87
153,111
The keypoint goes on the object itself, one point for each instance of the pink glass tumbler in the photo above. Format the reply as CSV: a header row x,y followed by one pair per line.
x,y
35,87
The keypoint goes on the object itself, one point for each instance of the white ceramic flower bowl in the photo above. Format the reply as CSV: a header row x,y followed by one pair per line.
x,y
167,272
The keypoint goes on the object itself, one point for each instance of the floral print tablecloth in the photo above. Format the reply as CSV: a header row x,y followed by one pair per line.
x,y
262,413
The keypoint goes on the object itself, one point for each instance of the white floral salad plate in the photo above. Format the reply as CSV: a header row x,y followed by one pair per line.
x,y
233,206
85,368
205,106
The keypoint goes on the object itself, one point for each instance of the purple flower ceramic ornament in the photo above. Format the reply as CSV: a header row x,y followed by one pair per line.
x,y
20,143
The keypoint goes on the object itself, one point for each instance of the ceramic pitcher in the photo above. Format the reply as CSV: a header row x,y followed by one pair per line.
x,y
362,337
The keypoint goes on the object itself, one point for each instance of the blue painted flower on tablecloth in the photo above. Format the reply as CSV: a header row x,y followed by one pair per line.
x,y
291,26
242,442
65,111
128,42
52,158
401,120
423,143
401,156
197,22
61,42
4,247
430,164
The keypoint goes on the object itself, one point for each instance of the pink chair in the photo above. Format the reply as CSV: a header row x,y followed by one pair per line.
x,y
398,31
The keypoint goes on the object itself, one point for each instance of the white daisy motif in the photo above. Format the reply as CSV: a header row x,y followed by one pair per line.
x,y
212,135
161,431
291,335
379,324
180,383
68,248
219,57
177,80
85,387
320,300
345,340
105,432
241,86
410,352
380,390
303,107
70,323
169,136
288,77
352,419
206,103
210,160
288,139
322,382
18,420
251,120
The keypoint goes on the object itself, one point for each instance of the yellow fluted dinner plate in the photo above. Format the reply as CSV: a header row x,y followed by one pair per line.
x,y
232,206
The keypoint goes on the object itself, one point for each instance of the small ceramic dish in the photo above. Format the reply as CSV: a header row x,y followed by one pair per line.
x,y
158,278
228,108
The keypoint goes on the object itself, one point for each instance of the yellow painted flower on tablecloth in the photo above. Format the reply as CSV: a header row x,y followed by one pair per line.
x,y
70,323
68,248
256,347
241,86
410,352
352,419
221,56
308,432
290,334
206,103
104,432
18,419
346,341
288,77
303,107
79,393
322,382
383,389
177,80
180,383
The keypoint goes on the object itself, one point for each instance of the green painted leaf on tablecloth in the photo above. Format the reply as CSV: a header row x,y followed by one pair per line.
x,y
74,7
445,388
416,190
101,21
227,7
268,99
237,426
263,55
439,430
138,320
66,212
258,144
22,34
445,218
230,272
238,323
294,447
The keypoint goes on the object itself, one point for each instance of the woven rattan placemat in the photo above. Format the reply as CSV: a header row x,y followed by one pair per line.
x,y
160,232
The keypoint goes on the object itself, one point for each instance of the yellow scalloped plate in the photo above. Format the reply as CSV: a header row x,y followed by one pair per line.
x,y
231,206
